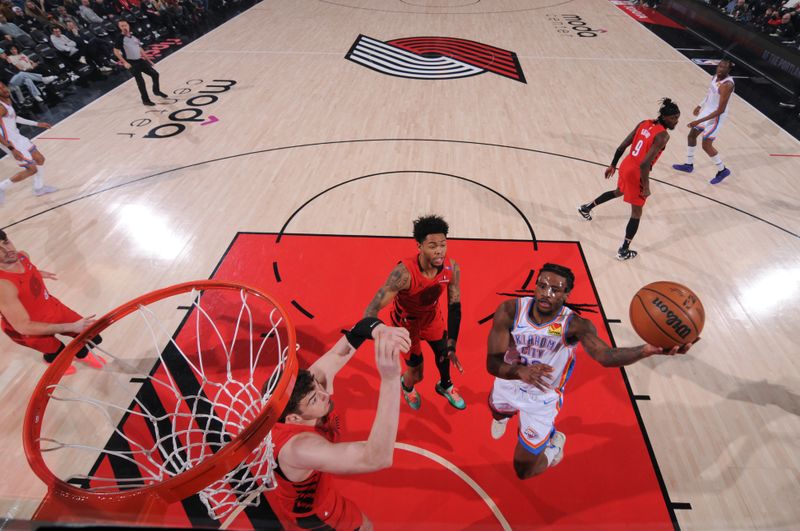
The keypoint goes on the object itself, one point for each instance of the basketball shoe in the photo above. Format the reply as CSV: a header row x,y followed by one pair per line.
x,y
688,168
412,397
625,254
499,428
43,190
585,214
452,396
556,444
720,176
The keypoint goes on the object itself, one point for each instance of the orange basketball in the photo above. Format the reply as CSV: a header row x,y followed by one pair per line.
x,y
666,314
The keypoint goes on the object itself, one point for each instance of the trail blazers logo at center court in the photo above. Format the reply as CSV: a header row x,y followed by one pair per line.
x,y
434,58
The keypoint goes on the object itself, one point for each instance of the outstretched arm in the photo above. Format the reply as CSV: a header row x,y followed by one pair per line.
x,y
499,340
584,331
399,279
330,363
307,452
25,121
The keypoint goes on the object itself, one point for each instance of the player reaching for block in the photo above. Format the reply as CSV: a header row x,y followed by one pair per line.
x,y
307,449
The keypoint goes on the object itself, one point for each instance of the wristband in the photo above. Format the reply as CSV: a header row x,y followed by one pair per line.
x,y
362,331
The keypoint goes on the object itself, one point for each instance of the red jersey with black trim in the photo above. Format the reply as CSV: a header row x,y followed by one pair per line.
x,y
423,293
32,293
646,133
312,502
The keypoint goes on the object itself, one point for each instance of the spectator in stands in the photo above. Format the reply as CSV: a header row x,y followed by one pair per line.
x,y
14,78
87,13
63,17
19,16
36,13
95,50
7,42
9,28
7,10
25,63
104,9
64,44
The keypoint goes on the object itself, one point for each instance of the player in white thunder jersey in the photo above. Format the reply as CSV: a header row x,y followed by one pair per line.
x,y
532,348
711,114
20,147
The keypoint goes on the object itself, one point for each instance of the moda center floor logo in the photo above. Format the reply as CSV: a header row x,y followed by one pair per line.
x,y
434,58
573,26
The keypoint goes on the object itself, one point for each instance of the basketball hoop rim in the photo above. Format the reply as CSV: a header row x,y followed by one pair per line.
x,y
203,474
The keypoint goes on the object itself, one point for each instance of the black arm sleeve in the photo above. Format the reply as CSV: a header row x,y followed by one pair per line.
x,y
453,320
362,331
617,155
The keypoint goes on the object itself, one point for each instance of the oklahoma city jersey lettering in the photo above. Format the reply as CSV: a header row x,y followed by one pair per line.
x,y
543,343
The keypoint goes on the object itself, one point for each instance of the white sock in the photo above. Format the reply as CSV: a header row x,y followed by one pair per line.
x,y
716,159
5,184
38,178
690,154
550,452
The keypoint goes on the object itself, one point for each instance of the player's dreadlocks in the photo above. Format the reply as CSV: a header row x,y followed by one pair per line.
x,y
668,108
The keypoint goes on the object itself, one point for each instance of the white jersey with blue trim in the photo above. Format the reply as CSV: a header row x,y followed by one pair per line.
x,y
8,128
711,102
542,343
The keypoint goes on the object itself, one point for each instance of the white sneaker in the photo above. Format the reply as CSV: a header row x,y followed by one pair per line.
x,y
558,440
49,79
38,98
104,69
498,428
44,190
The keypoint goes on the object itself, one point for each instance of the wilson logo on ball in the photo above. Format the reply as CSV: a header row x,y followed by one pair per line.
x,y
673,321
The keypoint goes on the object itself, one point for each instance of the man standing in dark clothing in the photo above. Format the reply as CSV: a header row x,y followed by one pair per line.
x,y
128,50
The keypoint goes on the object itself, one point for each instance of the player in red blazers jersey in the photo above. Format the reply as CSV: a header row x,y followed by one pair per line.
x,y
415,285
647,142
30,315
307,450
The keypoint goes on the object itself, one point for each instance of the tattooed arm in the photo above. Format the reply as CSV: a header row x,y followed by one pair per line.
x,y
454,315
399,279
584,331
454,305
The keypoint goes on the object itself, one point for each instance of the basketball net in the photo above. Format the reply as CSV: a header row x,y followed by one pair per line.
x,y
229,365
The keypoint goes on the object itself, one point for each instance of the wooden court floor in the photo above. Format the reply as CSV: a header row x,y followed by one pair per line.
x,y
152,197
